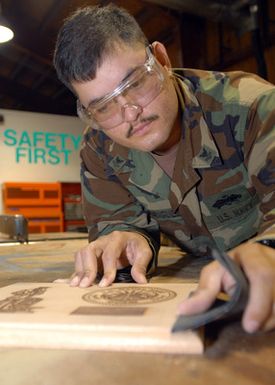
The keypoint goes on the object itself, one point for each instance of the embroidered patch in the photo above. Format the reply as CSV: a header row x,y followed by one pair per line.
x,y
227,200
231,207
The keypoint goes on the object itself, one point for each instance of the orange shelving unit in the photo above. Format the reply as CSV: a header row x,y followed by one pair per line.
x,y
40,203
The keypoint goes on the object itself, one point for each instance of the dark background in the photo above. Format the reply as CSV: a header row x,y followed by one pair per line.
x,y
220,35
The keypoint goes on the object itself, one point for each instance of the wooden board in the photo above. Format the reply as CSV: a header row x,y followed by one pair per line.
x,y
123,317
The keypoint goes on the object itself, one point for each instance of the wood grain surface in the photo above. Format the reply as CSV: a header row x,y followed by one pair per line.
x,y
123,317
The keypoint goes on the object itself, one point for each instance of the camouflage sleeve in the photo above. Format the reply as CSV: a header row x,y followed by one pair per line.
x,y
108,205
260,158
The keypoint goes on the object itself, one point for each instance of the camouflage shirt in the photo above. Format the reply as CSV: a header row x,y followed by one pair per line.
x,y
223,187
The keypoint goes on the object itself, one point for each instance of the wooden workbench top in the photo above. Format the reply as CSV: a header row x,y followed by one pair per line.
x,y
232,357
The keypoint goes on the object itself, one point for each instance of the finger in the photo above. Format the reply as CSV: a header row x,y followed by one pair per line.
x,y
85,267
259,269
260,305
197,303
109,262
78,274
90,257
88,278
142,258
208,289
270,323
138,271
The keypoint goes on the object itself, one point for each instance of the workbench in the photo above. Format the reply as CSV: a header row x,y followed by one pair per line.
x,y
231,355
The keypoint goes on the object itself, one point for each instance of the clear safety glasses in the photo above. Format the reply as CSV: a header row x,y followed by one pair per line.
x,y
139,89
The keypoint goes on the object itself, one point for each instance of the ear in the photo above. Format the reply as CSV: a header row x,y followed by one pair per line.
x,y
161,55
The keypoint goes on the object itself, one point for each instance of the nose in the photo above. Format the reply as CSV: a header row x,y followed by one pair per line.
x,y
131,112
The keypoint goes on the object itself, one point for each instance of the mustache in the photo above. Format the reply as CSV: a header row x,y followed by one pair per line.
x,y
148,119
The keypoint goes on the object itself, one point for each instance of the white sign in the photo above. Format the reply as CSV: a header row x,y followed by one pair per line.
x,y
39,147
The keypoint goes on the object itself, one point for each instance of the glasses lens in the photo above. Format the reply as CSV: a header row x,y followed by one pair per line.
x,y
145,89
105,111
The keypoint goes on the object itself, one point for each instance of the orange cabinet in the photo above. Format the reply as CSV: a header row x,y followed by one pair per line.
x,y
40,203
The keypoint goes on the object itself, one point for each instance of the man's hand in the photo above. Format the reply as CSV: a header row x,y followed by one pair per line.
x,y
258,264
109,253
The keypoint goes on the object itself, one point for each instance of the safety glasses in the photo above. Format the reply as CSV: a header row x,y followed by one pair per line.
x,y
139,89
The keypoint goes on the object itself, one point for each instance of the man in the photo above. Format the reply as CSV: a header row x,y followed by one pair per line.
x,y
190,153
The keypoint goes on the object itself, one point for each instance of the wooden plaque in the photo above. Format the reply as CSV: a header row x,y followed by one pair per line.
x,y
122,317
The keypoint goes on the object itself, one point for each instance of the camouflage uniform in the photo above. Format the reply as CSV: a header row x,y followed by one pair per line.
x,y
222,191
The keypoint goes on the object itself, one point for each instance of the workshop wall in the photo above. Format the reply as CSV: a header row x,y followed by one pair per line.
x,y
38,147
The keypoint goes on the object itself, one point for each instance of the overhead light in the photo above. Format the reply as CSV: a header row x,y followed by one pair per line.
x,y
6,32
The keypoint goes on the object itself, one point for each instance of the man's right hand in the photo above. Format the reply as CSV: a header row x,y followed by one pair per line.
x,y
109,253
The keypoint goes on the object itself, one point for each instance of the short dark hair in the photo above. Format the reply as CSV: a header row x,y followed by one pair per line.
x,y
89,34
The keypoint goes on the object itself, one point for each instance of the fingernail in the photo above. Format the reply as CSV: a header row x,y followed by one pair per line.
x,y
192,294
103,283
142,280
181,308
74,281
84,282
230,291
61,280
251,326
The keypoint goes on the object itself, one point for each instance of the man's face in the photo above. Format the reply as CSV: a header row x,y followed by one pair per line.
x,y
148,128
